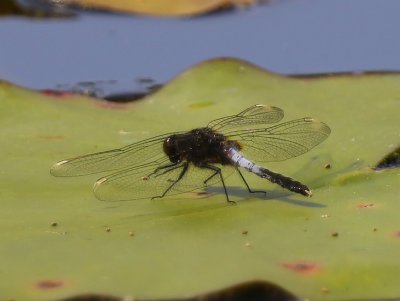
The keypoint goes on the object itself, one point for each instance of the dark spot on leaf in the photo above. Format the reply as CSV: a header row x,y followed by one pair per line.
x,y
302,267
54,224
245,232
327,166
397,234
335,234
391,160
49,284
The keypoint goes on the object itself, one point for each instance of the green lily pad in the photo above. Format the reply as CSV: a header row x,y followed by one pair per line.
x,y
58,240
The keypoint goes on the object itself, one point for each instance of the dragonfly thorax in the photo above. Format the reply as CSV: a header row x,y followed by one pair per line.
x,y
199,146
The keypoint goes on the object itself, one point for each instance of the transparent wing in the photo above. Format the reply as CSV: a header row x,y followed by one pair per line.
x,y
257,115
150,150
282,141
149,181
139,153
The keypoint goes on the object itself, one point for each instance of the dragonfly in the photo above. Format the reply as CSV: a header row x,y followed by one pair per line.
x,y
180,162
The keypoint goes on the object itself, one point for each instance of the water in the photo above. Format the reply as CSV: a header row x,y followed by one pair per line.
x,y
284,36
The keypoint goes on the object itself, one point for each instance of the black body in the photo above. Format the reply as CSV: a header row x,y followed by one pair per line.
x,y
199,146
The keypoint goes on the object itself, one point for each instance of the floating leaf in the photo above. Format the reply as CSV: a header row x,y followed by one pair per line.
x,y
161,7
59,241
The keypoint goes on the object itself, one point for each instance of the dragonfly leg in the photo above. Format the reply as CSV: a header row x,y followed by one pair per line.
x,y
165,168
174,166
217,171
247,185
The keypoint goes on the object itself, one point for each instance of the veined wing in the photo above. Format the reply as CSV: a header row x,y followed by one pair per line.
x,y
150,180
139,153
257,115
282,141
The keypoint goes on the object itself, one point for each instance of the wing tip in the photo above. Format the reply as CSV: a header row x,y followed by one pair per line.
x,y
99,182
267,107
319,125
97,186
56,170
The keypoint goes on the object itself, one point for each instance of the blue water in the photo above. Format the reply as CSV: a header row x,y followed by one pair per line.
x,y
285,36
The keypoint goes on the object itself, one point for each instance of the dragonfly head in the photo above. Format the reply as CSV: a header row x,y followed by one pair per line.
x,y
170,149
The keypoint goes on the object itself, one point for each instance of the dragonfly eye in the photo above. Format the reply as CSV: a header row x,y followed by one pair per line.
x,y
170,148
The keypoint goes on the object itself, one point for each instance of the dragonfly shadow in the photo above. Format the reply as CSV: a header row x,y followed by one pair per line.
x,y
170,208
270,195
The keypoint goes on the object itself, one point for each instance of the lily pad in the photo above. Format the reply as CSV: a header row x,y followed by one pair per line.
x,y
161,7
58,240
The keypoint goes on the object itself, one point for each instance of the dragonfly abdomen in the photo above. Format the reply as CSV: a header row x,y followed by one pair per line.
x,y
283,181
286,182
239,160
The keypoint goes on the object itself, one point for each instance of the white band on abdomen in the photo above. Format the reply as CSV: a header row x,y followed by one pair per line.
x,y
238,159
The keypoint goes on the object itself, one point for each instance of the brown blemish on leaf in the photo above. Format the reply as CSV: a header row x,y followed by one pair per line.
x,y
302,267
50,284
365,205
